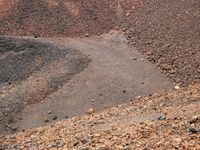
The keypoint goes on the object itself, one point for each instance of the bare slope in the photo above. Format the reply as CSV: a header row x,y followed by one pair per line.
x,y
112,78
47,74
168,121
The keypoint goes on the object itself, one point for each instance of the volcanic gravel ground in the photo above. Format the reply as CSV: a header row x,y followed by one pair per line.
x,y
168,33
161,121
29,72
57,18
66,18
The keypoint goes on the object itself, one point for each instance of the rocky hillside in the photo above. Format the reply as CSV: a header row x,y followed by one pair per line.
x,y
168,33
67,18
56,18
167,121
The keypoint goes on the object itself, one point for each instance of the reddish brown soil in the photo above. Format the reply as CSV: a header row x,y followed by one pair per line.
x,y
58,18
168,33
69,18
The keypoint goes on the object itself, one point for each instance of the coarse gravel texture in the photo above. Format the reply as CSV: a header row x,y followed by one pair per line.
x,y
161,121
56,18
168,33
62,18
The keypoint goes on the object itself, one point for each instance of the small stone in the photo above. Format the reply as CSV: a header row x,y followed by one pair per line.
x,y
62,144
162,118
124,91
92,100
145,148
91,111
54,144
49,112
23,130
120,147
149,53
46,120
86,35
163,104
76,143
124,29
84,148
20,58
95,18
14,128
177,87
97,135
177,142
134,58
66,117
54,117
173,125
194,119
138,97
192,130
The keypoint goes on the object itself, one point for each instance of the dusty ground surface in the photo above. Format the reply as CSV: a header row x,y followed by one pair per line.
x,y
168,33
30,71
113,77
161,121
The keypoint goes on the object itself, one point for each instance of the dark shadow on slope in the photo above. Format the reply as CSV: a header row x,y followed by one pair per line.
x,y
29,72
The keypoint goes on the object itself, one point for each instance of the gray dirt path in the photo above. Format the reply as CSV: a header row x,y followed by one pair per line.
x,y
116,74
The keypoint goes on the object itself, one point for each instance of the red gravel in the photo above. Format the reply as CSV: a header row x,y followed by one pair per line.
x,y
168,121
68,18
57,18
168,33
